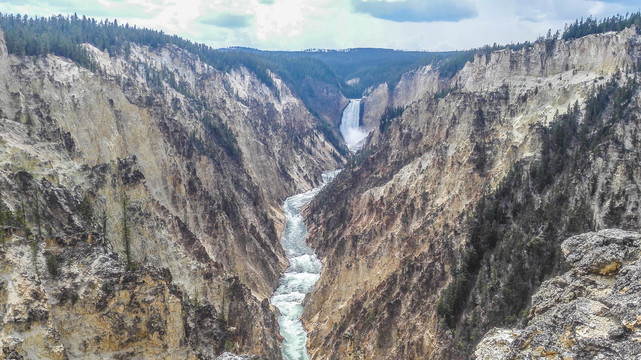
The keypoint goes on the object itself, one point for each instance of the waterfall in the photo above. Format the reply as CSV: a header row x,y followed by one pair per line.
x,y
350,128
300,277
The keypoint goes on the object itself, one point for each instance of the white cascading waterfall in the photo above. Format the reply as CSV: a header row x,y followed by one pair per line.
x,y
300,277
351,130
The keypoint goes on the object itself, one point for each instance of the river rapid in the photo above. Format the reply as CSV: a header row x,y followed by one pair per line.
x,y
300,277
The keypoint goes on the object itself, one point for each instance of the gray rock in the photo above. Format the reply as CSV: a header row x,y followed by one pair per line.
x,y
601,252
496,344
591,312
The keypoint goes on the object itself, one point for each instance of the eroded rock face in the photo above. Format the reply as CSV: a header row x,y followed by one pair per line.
x,y
76,300
590,312
198,170
374,103
232,356
537,65
412,86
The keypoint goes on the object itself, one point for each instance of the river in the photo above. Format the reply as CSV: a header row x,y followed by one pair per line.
x,y
304,269
300,277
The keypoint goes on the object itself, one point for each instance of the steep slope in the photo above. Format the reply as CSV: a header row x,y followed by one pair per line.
x,y
411,87
141,204
393,229
585,178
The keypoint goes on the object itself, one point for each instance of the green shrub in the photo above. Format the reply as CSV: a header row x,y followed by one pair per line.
x,y
86,210
53,265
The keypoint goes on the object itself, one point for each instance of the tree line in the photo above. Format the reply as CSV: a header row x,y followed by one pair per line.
x,y
589,26
64,35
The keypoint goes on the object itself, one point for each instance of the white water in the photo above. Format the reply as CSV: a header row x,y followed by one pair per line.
x,y
353,133
300,277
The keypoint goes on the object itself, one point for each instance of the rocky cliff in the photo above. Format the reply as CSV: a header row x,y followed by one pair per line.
x,y
410,270
590,312
412,86
140,204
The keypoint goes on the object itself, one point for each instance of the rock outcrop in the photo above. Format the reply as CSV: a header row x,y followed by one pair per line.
x,y
507,67
590,312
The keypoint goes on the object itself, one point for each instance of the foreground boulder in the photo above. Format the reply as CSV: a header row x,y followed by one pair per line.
x,y
591,312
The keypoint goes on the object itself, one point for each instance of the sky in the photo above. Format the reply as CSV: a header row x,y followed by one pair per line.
x,y
435,25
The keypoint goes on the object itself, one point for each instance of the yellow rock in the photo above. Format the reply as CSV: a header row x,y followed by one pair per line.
x,y
568,339
610,269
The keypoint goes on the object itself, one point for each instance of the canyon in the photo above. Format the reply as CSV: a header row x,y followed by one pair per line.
x,y
149,207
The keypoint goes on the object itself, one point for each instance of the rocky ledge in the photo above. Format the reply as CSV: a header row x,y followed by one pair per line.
x,y
592,311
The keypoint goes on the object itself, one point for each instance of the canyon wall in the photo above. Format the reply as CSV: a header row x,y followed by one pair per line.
x,y
150,191
408,270
411,87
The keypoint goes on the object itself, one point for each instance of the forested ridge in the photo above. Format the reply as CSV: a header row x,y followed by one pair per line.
x,y
590,25
64,35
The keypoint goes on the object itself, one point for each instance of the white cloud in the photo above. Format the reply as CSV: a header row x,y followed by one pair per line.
x,y
417,10
302,24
